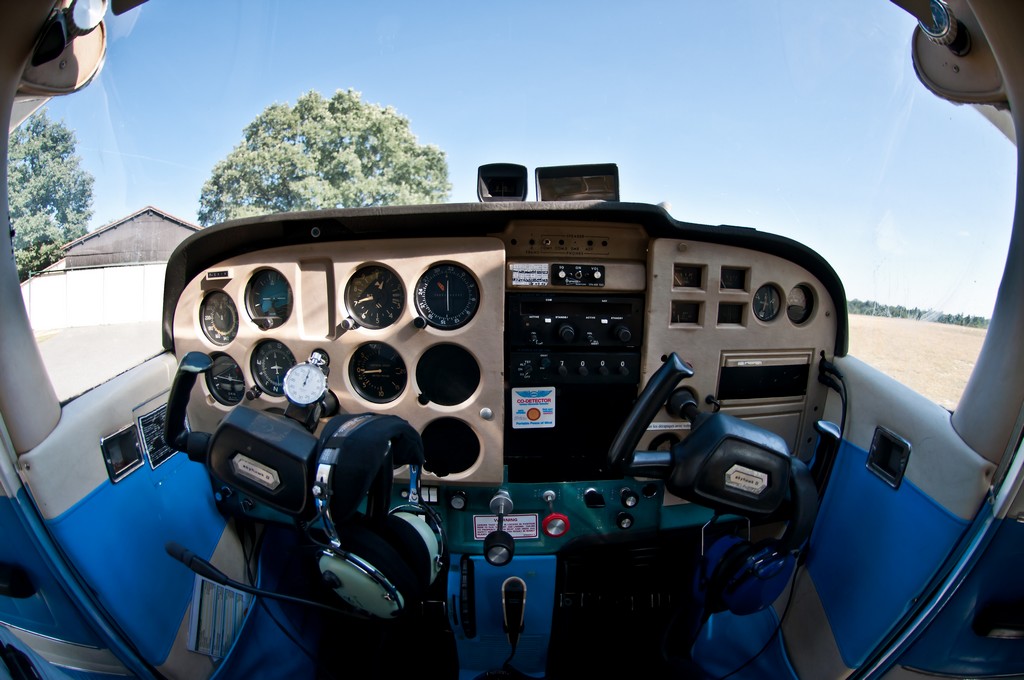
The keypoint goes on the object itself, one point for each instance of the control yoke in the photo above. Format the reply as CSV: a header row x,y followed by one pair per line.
x,y
195,444
650,401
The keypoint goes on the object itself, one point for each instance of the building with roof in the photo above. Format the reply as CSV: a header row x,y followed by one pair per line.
x,y
113,274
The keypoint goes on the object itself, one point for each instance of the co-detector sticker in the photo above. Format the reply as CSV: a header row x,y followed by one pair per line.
x,y
533,407
524,525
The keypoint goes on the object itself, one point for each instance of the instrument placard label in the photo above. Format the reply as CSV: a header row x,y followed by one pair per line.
x,y
533,407
524,525
529,274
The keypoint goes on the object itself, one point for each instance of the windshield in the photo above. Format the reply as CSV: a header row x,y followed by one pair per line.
x,y
786,117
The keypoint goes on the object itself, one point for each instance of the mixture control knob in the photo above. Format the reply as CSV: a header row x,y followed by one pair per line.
x,y
629,497
566,332
622,333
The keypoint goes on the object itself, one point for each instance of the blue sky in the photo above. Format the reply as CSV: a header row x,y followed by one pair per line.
x,y
777,116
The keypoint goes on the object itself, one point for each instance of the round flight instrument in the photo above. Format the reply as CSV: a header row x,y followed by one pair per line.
x,y
767,302
799,304
377,372
447,296
375,296
219,318
268,299
225,380
270,361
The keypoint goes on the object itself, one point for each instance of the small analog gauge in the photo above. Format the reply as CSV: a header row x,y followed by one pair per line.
x,y
447,296
687,276
377,372
375,296
225,380
767,302
268,299
270,361
219,318
733,279
799,304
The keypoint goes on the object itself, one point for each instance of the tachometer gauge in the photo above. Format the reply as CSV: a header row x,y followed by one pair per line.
x,y
219,318
268,299
799,304
767,302
225,380
377,372
270,361
375,296
447,296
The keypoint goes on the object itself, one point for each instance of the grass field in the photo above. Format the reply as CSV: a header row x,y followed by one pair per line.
x,y
931,358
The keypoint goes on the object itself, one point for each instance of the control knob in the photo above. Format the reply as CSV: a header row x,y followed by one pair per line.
x,y
566,332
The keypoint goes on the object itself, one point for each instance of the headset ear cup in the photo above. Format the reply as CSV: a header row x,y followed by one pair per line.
x,y
720,563
431,540
409,543
378,553
755,577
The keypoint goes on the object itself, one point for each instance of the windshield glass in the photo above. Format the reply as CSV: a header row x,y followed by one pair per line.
x,y
787,117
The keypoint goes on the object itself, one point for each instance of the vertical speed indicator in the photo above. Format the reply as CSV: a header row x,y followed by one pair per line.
x,y
447,296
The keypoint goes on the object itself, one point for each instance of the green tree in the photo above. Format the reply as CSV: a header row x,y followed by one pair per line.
x,y
324,153
50,194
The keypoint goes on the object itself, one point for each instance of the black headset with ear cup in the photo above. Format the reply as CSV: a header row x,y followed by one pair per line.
x,y
380,562
737,575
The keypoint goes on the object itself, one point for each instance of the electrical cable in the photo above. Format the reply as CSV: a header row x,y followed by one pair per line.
x,y
257,543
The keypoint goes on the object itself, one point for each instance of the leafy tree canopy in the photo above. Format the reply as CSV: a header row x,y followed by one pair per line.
x,y
50,194
324,153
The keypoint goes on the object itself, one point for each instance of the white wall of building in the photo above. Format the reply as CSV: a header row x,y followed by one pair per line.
x,y
93,297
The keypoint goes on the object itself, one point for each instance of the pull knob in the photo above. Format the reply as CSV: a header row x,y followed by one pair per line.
x,y
499,547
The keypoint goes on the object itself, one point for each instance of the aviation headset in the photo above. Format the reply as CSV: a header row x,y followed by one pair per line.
x,y
743,577
382,561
